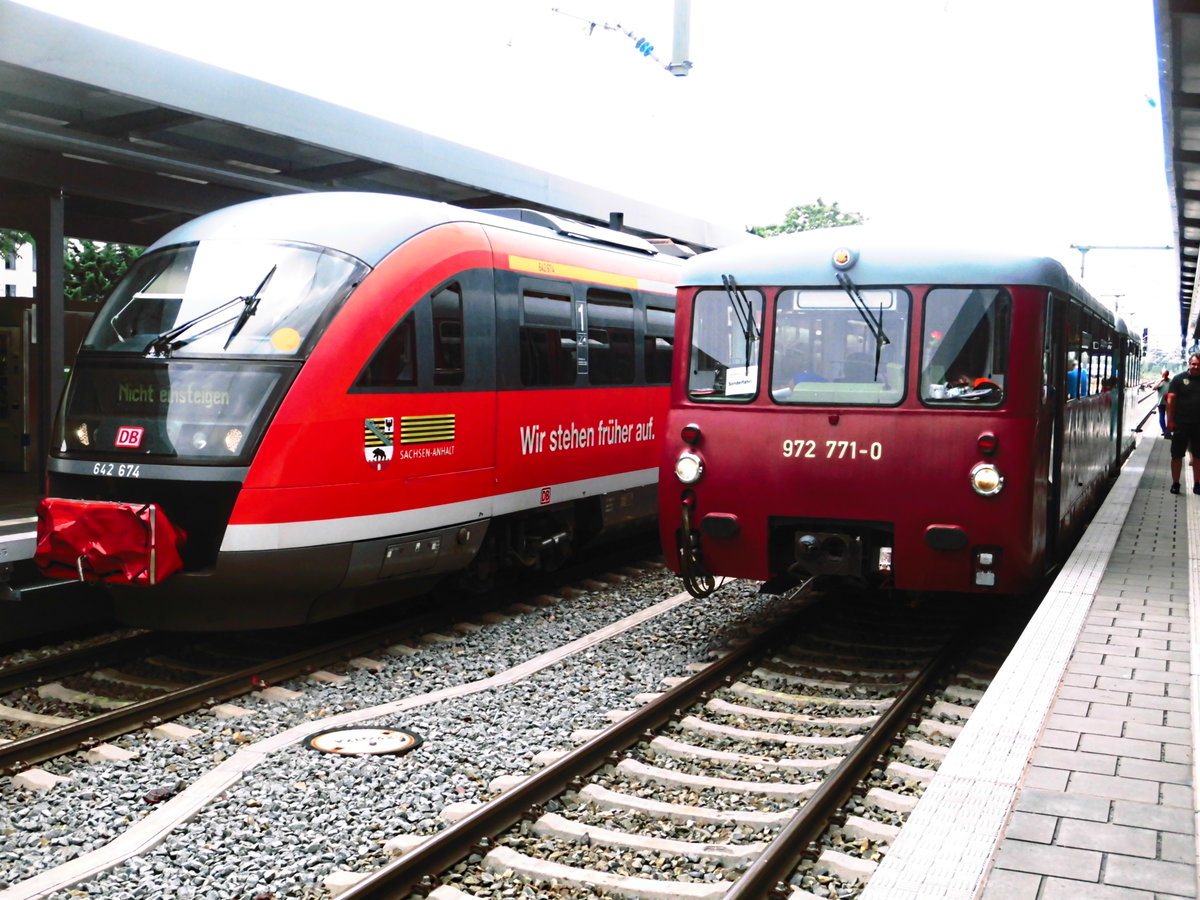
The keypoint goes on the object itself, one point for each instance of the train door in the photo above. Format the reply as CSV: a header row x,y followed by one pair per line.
x,y
14,403
1053,397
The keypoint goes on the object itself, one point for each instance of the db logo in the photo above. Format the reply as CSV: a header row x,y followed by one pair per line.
x,y
545,496
129,436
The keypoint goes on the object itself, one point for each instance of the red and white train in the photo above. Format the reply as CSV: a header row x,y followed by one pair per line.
x,y
889,412
295,398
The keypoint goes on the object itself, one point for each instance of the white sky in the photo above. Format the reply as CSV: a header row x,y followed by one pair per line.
x,y
1035,120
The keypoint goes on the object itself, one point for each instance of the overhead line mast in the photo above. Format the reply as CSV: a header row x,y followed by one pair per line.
x,y
679,64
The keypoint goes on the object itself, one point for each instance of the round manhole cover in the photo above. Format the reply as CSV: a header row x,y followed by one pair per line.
x,y
358,741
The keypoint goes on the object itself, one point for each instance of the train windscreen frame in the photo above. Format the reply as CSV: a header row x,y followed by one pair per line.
x,y
833,346
225,298
967,335
726,345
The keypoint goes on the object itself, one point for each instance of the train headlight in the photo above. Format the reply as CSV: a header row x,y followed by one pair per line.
x,y
82,435
986,480
199,440
233,439
689,467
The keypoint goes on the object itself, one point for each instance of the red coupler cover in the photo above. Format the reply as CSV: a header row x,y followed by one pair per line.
x,y
95,540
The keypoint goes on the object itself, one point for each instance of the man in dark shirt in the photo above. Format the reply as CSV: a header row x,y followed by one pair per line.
x,y
1183,422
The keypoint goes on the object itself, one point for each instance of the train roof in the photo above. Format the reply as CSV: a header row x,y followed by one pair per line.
x,y
369,226
884,257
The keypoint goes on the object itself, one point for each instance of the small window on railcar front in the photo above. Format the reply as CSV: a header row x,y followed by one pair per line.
x,y
965,358
394,362
829,348
726,345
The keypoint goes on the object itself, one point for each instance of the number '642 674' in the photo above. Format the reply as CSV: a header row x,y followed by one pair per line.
x,y
120,470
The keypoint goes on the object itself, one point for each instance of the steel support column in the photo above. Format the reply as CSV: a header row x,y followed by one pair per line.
x,y
49,240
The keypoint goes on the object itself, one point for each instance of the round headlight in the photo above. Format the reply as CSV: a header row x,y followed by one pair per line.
x,y
986,480
689,467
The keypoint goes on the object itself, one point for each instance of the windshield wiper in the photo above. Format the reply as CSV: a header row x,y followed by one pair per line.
x,y
744,311
875,324
165,343
250,308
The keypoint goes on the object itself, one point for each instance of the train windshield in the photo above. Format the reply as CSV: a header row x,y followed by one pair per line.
x,y
843,346
965,358
726,344
224,298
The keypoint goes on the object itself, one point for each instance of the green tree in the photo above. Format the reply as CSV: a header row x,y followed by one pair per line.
x,y
91,269
10,240
808,217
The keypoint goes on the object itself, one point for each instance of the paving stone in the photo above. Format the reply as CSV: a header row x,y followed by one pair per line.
x,y
1125,713
1060,740
1046,779
1069,889
1085,725
1005,884
1151,875
1108,838
1100,763
1032,827
1117,746
1155,771
1046,859
1164,733
1093,809
1175,794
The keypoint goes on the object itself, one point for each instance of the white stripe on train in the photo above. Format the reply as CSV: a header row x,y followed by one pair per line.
x,y
320,532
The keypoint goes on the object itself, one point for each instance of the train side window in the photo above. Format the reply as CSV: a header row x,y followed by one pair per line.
x,y
610,337
448,358
967,336
659,344
1079,380
548,340
394,362
726,345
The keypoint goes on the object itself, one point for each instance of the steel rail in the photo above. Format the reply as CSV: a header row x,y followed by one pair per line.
x,y
767,874
25,752
34,671
419,868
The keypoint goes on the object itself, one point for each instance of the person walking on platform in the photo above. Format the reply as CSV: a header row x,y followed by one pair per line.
x,y
1183,422
1161,387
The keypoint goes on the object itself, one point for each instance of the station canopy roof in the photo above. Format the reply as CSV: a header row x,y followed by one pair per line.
x,y
1178,24
140,140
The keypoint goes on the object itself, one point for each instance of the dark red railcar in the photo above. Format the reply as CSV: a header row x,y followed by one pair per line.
x,y
334,391
897,413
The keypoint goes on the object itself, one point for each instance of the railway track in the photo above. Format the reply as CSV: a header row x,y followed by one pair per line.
x,y
749,761
661,812
62,702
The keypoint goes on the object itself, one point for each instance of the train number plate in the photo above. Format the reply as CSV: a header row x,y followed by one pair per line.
x,y
806,449
119,470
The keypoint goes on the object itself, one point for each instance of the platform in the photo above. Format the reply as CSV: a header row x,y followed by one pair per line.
x,y
19,495
1074,777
